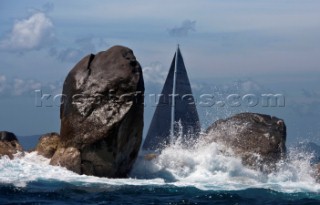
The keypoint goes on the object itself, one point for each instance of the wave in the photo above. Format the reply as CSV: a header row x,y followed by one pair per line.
x,y
205,167
30,167
212,167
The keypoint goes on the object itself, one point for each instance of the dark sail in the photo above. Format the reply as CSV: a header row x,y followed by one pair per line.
x,y
184,111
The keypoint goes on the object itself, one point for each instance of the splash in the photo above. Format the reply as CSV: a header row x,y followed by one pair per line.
x,y
214,167
33,167
205,166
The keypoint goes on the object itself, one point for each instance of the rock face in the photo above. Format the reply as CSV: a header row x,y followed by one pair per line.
x,y
9,144
68,157
48,144
258,139
102,114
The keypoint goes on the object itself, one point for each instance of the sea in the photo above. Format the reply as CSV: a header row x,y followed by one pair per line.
x,y
203,174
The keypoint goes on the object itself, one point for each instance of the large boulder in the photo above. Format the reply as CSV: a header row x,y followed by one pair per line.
x,y
258,139
48,144
9,144
102,114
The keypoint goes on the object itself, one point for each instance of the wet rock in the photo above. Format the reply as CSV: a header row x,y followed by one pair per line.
x,y
258,139
9,144
102,113
68,157
48,144
150,156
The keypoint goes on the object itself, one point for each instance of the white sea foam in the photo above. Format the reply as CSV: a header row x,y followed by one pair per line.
x,y
204,167
210,167
32,167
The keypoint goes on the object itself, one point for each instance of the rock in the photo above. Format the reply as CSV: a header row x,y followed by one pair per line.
x,y
68,157
102,113
258,139
9,144
8,136
150,156
48,144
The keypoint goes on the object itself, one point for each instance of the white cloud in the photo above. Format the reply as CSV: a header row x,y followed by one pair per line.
x,y
28,34
184,29
21,86
18,86
155,73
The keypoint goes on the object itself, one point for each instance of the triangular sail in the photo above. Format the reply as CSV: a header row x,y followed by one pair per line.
x,y
184,110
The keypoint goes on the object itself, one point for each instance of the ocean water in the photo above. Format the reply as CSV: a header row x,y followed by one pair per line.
x,y
205,174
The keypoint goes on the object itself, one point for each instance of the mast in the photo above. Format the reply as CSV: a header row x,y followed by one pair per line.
x,y
174,95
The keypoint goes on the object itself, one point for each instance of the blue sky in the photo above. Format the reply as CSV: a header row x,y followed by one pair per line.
x,y
267,45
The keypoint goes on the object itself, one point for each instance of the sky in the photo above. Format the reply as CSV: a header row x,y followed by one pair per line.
x,y
243,46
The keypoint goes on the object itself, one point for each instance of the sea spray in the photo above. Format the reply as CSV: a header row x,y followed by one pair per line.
x,y
31,167
214,167
209,167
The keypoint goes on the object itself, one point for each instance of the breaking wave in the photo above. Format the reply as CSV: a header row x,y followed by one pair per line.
x,y
213,167
204,167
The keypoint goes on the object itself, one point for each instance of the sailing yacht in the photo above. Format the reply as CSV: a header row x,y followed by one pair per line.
x,y
176,113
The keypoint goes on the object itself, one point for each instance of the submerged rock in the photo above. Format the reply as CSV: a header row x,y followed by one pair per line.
x,y
258,139
48,144
9,144
102,114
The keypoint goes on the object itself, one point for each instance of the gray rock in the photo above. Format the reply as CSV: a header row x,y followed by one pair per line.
x,y
48,144
9,144
258,139
102,113
7,136
68,157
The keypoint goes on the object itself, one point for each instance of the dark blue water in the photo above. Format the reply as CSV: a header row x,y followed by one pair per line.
x,y
29,142
44,192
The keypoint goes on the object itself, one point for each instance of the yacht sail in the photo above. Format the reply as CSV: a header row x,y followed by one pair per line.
x,y
176,113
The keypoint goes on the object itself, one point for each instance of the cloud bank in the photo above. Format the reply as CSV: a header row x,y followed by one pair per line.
x,y
12,87
32,33
155,73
